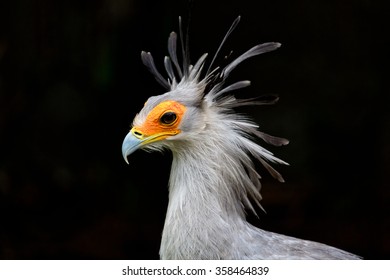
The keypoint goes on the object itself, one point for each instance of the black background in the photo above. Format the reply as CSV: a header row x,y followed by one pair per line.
x,y
71,81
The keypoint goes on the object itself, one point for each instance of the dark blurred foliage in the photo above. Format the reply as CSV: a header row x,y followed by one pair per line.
x,y
71,81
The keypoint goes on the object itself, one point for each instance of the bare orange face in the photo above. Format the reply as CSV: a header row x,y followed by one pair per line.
x,y
161,122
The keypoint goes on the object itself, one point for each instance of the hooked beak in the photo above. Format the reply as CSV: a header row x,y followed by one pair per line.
x,y
131,143
135,140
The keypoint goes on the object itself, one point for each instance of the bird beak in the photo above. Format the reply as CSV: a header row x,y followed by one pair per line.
x,y
130,144
135,139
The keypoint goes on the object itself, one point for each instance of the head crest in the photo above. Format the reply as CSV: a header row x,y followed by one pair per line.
x,y
213,79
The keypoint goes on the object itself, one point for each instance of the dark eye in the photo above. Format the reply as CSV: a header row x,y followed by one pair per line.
x,y
168,118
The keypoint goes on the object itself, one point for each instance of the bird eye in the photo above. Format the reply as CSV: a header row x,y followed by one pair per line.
x,y
168,118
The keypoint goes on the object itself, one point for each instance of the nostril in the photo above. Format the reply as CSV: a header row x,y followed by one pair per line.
x,y
137,133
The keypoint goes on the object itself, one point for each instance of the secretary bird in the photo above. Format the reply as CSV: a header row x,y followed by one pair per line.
x,y
213,177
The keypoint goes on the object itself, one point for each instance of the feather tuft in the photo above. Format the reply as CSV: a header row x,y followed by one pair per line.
x,y
256,50
148,61
172,41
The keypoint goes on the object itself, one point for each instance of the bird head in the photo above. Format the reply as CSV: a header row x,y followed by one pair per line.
x,y
194,97
166,119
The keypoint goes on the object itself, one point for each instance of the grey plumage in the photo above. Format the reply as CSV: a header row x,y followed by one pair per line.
x,y
213,177
148,61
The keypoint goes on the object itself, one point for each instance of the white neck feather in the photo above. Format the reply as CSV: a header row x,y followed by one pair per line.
x,y
206,194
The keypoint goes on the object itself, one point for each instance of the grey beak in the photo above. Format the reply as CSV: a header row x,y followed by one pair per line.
x,y
130,144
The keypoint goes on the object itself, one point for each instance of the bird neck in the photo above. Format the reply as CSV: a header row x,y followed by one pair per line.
x,y
202,180
204,199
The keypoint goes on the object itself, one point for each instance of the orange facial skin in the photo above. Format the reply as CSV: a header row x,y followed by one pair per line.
x,y
154,126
